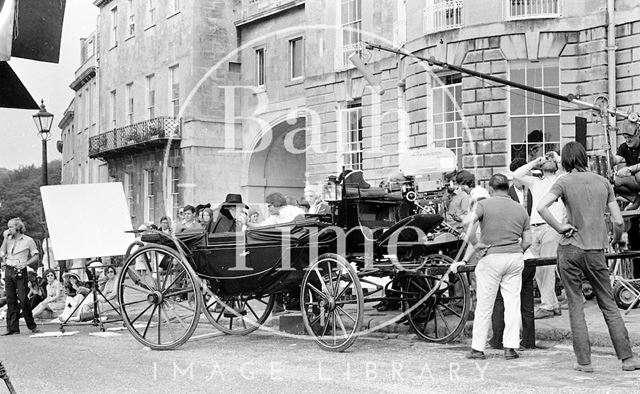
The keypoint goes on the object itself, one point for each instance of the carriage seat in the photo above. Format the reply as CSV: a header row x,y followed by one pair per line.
x,y
190,238
356,187
425,222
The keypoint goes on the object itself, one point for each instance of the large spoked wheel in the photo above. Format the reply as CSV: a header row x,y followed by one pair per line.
x,y
161,303
332,302
441,317
237,315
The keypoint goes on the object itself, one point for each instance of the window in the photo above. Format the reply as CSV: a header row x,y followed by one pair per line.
x,y
442,15
129,102
174,91
113,39
128,191
112,105
174,7
351,136
87,107
151,96
351,25
151,13
296,58
131,18
173,190
535,120
446,116
526,9
149,197
260,71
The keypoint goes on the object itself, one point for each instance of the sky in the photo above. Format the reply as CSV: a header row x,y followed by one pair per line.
x,y
21,145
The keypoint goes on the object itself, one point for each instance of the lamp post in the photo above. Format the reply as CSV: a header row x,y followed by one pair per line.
x,y
43,120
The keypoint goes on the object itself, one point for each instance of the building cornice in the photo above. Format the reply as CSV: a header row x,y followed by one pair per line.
x,y
268,12
100,3
86,76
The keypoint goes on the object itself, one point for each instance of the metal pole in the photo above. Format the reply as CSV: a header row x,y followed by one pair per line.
x,y
45,178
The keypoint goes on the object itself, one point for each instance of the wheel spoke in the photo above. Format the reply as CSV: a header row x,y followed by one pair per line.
x,y
333,326
324,284
168,323
144,334
159,324
141,313
252,311
183,306
336,314
178,317
136,288
318,292
346,313
177,293
329,273
345,288
180,276
135,302
155,260
451,310
446,324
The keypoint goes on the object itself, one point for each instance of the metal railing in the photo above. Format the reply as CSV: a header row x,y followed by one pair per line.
x,y
442,15
529,9
159,128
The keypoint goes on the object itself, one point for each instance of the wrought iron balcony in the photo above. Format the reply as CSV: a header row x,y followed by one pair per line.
x,y
440,15
531,9
141,136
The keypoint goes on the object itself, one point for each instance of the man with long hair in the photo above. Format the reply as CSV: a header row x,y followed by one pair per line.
x,y
19,251
587,196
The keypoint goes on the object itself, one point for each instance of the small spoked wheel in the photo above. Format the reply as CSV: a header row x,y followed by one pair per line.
x,y
237,315
160,301
624,295
332,302
441,317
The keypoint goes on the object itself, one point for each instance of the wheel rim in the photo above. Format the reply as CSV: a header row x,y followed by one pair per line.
x,y
332,303
159,306
441,317
626,297
237,315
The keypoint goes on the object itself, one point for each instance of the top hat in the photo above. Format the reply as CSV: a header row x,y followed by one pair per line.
x,y
233,199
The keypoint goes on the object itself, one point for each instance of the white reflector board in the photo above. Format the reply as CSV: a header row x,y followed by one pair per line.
x,y
87,220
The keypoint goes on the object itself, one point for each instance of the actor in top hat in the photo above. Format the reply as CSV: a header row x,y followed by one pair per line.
x,y
232,217
19,251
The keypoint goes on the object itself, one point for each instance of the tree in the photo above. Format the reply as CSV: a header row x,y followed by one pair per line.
x,y
20,195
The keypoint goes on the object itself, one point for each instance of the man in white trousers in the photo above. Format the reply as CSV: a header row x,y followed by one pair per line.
x,y
505,234
545,239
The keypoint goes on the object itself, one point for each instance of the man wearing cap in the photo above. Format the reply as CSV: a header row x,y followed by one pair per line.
x,y
627,179
19,251
545,238
232,217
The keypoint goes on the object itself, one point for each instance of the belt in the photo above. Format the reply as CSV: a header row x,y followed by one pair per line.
x,y
537,224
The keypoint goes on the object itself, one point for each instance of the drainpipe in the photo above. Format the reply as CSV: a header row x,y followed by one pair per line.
x,y
611,52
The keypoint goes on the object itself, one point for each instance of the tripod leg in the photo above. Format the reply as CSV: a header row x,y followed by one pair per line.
x,y
4,376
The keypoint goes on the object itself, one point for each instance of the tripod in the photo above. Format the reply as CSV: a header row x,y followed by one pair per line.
x,y
95,291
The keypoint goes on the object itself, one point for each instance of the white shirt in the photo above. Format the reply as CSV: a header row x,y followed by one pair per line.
x,y
520,194
538,190
287,214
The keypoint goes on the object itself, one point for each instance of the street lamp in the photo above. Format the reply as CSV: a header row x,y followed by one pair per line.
x,y
43,120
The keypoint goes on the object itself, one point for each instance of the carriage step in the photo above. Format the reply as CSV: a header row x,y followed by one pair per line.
x,y
229,314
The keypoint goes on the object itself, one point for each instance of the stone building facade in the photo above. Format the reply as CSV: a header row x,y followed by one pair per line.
x,y
255,96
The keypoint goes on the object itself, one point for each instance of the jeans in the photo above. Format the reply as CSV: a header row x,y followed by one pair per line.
x,y
526,310
17,290
574,262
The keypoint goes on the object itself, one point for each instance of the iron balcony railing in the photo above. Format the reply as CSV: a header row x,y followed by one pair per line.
x,y
151,131
442,15
531,9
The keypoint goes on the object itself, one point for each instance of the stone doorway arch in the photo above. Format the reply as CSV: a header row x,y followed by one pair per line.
x,y
277,168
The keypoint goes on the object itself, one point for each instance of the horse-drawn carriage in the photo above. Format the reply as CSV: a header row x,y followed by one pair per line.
x,y
320,264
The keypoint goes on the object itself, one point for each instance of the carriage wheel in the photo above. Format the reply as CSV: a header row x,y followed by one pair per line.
x,y
441,317
160,305
332,302
237,315
624,297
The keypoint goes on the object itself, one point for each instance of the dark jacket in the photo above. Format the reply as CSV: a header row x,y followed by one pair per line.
x,y
514,197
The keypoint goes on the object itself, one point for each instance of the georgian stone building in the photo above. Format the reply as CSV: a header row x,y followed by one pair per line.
x,y
202,98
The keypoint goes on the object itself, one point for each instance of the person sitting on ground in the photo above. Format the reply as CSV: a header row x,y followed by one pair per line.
x,y
54,302
107,284
190,223
76,292
279,211
36,292
232,217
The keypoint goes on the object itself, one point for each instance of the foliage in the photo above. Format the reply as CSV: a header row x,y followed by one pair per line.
x,y
20,195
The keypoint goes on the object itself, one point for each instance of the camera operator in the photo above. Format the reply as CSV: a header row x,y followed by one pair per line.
x,y
19,251
627,180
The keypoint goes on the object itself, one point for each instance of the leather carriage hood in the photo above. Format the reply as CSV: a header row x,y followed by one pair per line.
x,y
425,222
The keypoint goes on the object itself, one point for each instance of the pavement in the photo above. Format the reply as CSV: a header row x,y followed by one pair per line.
x,y
555,329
